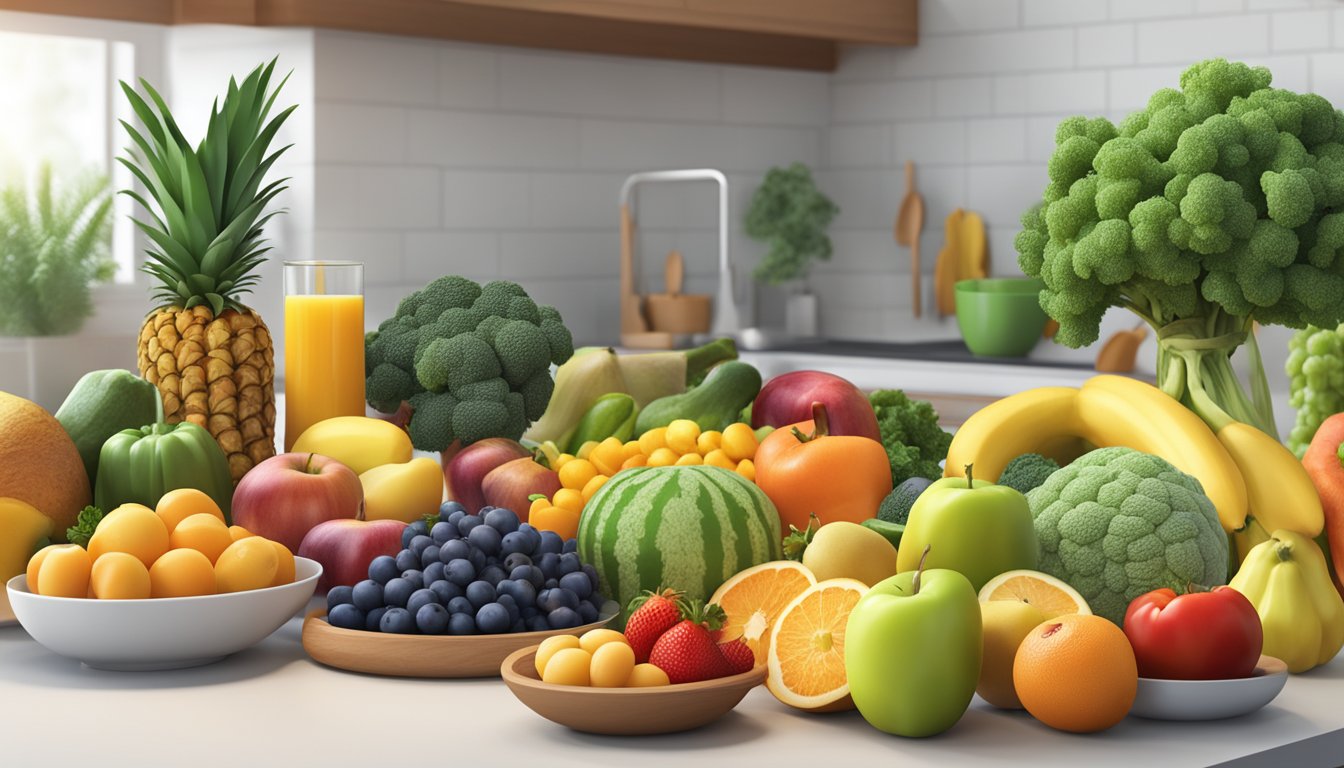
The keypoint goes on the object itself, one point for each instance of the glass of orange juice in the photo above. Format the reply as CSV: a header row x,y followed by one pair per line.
x,y
324,343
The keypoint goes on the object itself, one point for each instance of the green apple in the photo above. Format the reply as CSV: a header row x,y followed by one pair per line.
x,y
912,652
972,526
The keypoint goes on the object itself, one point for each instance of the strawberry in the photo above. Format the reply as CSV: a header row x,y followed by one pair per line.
x,y
738,655
686,652
653,613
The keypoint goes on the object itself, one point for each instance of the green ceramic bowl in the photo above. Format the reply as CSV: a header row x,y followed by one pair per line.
x,y
1000,317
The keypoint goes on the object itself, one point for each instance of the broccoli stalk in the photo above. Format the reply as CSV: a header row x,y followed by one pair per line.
x,y
1218,206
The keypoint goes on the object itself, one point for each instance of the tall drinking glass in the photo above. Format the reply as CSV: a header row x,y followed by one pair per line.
x,y
324,343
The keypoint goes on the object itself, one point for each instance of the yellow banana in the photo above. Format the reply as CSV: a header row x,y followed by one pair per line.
x,y
1117,410
1280,494
1042,420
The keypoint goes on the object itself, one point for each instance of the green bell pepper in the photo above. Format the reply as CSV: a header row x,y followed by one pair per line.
x,y
141,465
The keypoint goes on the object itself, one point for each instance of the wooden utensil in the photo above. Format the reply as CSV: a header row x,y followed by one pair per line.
x,y
974,260
1118,353
675,312
626,711
909,224
443,656
946,269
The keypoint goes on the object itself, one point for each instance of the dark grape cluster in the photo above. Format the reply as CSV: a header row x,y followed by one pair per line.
x,y
468,574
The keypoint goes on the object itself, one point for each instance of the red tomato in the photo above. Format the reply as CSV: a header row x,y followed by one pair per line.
x,y
1212,635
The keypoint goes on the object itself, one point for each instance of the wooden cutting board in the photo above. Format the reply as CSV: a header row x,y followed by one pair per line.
x,y
947,266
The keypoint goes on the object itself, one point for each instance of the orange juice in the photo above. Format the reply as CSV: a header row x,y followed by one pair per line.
x,y
324,360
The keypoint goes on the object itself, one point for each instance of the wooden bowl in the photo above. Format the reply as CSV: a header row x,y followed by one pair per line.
x,y
626,711
679,312
439,656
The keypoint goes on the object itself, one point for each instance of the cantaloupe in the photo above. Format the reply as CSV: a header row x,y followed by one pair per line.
x,y
39,463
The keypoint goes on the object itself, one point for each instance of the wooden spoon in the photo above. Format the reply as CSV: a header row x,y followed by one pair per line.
x,y
1118,353
674,273
909,223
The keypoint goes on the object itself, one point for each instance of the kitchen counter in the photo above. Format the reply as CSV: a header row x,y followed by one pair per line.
x,y
271,705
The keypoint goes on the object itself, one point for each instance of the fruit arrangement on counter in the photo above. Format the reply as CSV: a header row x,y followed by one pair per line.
x,y
616,533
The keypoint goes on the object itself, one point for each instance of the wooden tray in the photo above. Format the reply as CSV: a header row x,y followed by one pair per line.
x,y
440,656
626,711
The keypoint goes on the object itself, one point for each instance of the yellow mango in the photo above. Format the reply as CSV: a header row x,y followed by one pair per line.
x,y
22,528
407,492
358,442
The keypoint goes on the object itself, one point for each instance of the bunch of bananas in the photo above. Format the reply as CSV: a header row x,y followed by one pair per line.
x,y
1252,479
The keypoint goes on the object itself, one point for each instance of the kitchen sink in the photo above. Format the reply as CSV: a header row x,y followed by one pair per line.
x,y
943,351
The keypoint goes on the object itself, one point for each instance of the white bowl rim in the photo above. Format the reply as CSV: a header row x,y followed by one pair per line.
x,y
19,585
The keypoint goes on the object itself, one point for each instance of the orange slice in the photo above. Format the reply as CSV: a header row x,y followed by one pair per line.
x,y
753,598
1050,595
806,658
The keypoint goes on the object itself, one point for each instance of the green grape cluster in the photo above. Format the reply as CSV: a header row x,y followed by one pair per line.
x,y
1315,370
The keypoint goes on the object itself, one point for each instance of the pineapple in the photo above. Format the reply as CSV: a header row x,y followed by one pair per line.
x,y
209,355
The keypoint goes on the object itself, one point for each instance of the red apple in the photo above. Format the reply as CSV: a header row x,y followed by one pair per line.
x,y
346,547
509,485
788,398
465,472
286,496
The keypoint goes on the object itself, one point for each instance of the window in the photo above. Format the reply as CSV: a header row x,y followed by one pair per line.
x,y
61,104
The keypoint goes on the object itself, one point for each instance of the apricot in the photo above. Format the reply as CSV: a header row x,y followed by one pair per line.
x,y
177,505
202,532
181,573
247,564
284,571
119,576
64,572
133,529
35,563
237,532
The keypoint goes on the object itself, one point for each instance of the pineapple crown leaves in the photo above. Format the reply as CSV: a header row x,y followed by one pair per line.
x,y
208,202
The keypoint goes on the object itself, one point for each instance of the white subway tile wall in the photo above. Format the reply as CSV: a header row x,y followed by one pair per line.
x,y
439,157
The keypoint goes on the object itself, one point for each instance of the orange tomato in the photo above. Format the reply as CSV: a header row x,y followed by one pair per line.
x,y
838,477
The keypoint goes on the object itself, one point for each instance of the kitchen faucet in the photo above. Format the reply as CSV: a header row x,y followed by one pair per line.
x,y
726,320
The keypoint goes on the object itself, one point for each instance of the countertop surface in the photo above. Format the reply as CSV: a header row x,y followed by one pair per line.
x,y
272,705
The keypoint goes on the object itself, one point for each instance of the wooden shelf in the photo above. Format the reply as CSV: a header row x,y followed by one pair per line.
x,y
796,34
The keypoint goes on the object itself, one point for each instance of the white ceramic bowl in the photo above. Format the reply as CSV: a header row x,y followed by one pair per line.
x,y
1210,699
165,633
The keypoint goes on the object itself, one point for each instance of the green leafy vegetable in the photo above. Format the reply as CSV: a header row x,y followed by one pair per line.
x,y
85,524
914,442
1027,471
1217,205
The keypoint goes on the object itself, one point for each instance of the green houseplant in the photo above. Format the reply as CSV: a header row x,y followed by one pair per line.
x,y
791,215
55,241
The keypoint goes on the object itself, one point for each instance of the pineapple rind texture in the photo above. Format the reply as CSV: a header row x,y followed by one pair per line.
x,y
218,373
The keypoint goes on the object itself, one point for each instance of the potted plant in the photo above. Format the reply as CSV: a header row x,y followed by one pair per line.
x,y
790,214
55,242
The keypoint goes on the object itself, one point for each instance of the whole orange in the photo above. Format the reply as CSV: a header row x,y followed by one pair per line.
x,y
1076,673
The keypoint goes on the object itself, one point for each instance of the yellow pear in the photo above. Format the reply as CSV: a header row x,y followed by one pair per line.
x,y
844,550
1005,623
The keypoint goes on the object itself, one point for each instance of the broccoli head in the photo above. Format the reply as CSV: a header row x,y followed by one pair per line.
x,y
1116,523
1221,183
1027,471
471,361
914,442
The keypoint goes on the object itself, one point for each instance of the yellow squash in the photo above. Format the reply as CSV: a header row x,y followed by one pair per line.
x,y
1287,581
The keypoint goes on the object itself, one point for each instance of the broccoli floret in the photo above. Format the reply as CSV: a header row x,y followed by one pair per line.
x,y
471,361
1206,211
914,442
522,350
895,508
431,427
453,363
1027,471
